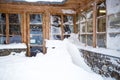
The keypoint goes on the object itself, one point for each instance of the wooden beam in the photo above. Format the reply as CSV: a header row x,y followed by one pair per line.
x,y
94,24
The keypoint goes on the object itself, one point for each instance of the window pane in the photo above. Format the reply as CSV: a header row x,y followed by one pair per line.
x,y
101,25
101,40
101,9
14,18
83,27
55,30
68,19
89,14
90,26
2,39
34,39
2,28
15,38
35,18
83,38
35,29
89,40
68,29
56,19
14,28
55,37
114,23
2,18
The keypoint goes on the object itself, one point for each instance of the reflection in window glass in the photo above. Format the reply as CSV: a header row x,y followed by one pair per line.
x,y
35,29
101,40
101,25
2,28
114,23
56,27
34,39
55,30
56,19
35,18
101,9
83,38
56,37
2,18
113,29
89,14
14,28
89,40
90,26
83,27
68,29
68,19
14,18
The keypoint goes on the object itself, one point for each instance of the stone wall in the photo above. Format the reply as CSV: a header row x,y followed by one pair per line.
x,y
5,52
105,65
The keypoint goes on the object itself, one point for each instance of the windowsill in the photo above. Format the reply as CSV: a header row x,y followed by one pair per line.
x,y
105,51
13,46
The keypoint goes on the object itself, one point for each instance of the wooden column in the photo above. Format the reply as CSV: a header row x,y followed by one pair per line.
x,y
75,28
28,35
94,24
23,20
7,28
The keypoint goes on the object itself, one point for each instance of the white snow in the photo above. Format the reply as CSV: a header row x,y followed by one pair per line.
x,y
55,65
13,46
63,62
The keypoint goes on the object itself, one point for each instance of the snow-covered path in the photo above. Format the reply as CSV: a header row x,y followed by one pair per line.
x,y
55,65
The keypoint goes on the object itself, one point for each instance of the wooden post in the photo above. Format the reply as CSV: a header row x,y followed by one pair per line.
x,y
7,28
23,20
74,23
28,35
94,24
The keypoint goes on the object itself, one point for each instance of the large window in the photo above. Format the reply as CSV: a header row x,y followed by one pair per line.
x,y
56,30
10,32
14,28
113,31
36,34
86,27
2,28
101,25
61,26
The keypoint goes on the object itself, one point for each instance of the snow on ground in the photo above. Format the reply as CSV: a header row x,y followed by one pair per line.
x,y
57,64
13,46
62,62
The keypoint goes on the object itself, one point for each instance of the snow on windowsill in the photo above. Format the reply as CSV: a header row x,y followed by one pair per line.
x,y
13,46
104,51
111,52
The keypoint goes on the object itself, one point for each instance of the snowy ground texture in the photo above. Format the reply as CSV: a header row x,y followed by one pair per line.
x,y
57,64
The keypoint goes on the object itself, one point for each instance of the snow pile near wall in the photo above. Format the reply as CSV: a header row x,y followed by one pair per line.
x,y
13,46
113,6
76,55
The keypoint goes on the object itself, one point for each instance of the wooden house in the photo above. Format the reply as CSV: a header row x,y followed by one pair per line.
x,y
34,22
